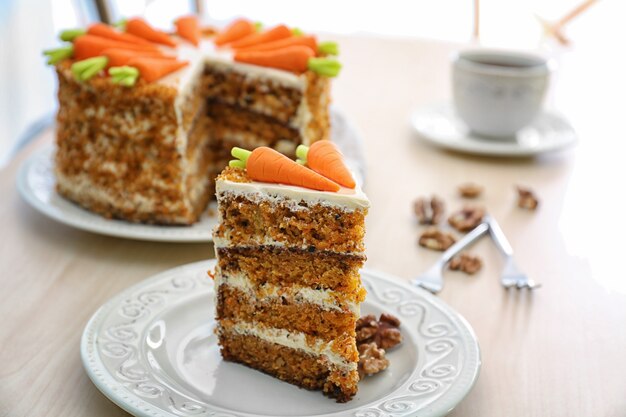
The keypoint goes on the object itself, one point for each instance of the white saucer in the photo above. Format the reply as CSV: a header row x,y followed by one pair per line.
x,y
152,351
439,125
36,184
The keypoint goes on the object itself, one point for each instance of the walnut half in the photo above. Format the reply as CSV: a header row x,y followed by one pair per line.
x,y
384,332
465,262
526,199
429,211
435,239
372,359
470,190
467,218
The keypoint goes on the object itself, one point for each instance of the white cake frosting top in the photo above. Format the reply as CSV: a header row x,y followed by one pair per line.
x,y
208,53
346,198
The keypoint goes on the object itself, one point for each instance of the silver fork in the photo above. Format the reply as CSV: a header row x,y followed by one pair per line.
x,y
432,280
511,275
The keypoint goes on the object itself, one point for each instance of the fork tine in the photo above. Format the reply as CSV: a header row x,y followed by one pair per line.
x,y
510,276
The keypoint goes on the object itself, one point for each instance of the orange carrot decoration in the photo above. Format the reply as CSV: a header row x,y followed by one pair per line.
x,y
118,57
267,165
274,34
139,27
325,158
89,46
188,28
292,58
106,31
152,69
239,29
309,41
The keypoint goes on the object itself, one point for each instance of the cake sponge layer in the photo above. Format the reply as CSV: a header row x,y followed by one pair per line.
x,y
279,313
245,222
288,266
291,365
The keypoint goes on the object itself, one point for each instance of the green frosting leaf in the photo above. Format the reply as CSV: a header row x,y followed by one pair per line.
x,y
87,68
59,54
297,32
301,152
124,71
328,48
126,76
326,67
121,24
258,26
70,34
237,164
242,156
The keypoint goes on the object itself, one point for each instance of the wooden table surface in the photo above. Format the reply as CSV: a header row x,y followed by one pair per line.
x,y
560,351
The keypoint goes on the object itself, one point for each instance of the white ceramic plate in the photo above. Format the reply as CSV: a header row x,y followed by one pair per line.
x,y
36,184
439,125
152,351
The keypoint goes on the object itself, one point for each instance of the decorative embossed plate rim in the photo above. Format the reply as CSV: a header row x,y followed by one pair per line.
x,y
439,125
113,351
35,182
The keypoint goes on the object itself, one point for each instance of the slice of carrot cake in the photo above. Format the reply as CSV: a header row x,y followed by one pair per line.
x,y
287,279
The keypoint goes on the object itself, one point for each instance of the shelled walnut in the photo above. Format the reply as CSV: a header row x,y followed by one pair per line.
x,y
372,359
467,218
470,190
429,210
373,338
465,262
435,239
384,332
526,199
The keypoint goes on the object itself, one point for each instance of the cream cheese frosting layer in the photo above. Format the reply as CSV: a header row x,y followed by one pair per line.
x,y
294,340
326,299
225,242
346,199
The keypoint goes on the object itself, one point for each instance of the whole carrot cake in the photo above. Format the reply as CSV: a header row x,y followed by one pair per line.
x,y
289,246
146,118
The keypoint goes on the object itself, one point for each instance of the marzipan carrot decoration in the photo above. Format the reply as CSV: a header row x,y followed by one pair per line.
x,y
291,58
149,68
106,31
139,27
267,165
239,29
152,69
309,41
270,35
326,159
188,28
118,57
88,46
297,58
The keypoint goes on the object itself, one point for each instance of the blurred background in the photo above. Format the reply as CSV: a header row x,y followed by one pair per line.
x,y
27,85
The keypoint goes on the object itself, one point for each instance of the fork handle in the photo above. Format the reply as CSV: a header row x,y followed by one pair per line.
x,y
469,238
498,236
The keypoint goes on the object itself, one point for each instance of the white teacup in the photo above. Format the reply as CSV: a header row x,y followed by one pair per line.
x,y
496,93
